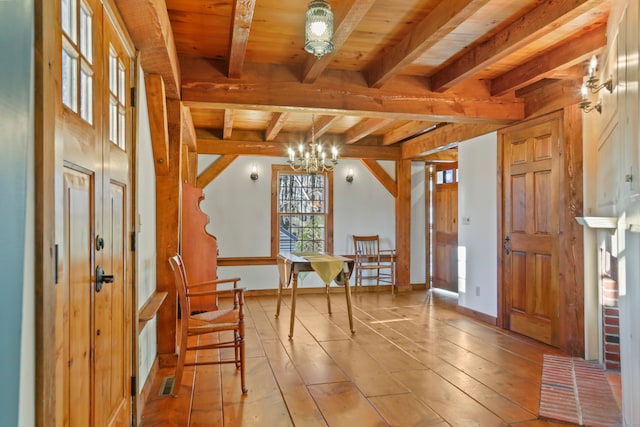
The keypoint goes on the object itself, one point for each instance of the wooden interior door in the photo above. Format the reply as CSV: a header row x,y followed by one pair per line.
x,y
445,227
94,327
531,189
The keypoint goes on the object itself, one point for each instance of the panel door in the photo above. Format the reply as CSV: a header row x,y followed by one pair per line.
x,y
445,228
531,221
94,127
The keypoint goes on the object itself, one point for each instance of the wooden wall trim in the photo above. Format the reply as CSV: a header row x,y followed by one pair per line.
x,y
572,236
46,49
156,104
246,261
491,320
403,225
168,195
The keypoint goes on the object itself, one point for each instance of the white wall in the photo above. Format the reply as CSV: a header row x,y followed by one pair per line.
x,y
477,241
615,153
239,212
418,224
146,233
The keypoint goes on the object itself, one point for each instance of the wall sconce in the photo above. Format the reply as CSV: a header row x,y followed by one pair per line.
x,y
254,173
592,80
593,85
349,176
585,104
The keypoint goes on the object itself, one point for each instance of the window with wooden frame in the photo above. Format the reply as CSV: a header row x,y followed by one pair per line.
x,y
302,211
77,58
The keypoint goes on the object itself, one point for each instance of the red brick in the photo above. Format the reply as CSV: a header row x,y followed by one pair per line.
x,y
611,311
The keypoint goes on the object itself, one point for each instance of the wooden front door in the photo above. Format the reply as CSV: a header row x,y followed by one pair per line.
x,y
94,327
531,189
445,227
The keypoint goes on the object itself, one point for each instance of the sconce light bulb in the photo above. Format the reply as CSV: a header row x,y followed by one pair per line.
x,y
583,91
593,65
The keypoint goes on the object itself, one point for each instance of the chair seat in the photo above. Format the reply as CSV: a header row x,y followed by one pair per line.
x,y
213,321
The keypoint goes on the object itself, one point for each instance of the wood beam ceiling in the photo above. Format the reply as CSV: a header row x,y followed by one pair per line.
x,y
544,19
241,17
445,18
150,29
337,92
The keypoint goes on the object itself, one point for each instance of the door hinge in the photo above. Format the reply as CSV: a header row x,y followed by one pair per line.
x,y
55,263
134,96
134,388
134,241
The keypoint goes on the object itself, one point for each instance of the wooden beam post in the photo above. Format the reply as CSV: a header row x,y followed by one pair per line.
x,y
403,225
167,235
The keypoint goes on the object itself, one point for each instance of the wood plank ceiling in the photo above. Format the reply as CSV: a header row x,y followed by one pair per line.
x,y
406,76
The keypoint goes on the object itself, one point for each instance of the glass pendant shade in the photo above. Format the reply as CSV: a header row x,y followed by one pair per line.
x,y
319,28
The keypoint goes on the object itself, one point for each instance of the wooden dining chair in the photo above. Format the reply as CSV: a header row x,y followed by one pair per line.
x,y
378,264
228,320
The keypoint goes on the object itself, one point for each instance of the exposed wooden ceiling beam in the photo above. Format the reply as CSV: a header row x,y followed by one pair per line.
x,y
228,123
149,27
445,18
273,87
241,17
443,136
215,169
381,175
565,56
544,19
278,120
279,149
320,126
365,127
405,131
348,15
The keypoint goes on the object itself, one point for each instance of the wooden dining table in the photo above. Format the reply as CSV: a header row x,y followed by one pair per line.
x,y
330,268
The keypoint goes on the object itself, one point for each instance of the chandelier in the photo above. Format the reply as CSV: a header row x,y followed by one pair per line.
x,y
318,28
312,158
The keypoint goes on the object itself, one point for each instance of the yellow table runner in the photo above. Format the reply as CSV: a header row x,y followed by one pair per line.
x,y
326,266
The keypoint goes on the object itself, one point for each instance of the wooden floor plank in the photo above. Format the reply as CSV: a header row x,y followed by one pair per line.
x,y
302,408
343,405
449,402
406,410
414,360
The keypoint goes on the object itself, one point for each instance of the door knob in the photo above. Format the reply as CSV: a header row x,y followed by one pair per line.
x,y
102,278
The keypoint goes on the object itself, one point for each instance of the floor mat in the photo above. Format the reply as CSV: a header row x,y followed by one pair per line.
x,y
577,391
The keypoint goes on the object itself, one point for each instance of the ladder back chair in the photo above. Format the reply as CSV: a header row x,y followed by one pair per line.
x,y
211,325
379,265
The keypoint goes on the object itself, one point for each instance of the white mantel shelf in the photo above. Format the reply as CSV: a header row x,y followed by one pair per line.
x,y
607,222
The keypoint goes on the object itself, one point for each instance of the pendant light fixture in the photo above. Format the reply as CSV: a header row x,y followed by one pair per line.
x,y
318,29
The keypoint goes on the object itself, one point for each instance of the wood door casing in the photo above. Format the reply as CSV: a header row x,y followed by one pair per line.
x,y
445,232
530,259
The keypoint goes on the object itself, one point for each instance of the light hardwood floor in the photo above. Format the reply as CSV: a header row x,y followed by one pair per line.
x,y
413,361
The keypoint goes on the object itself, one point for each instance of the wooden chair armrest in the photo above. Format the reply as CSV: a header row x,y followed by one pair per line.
x,y
235,281
217,292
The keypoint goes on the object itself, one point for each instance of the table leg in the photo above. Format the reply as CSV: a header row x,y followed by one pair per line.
x,y
328,299
294,288
347,293
279,297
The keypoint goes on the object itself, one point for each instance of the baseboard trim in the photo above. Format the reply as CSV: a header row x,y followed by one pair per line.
x,y
144,394
493,321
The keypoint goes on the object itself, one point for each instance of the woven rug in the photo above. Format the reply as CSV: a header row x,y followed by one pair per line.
x,y
577,391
